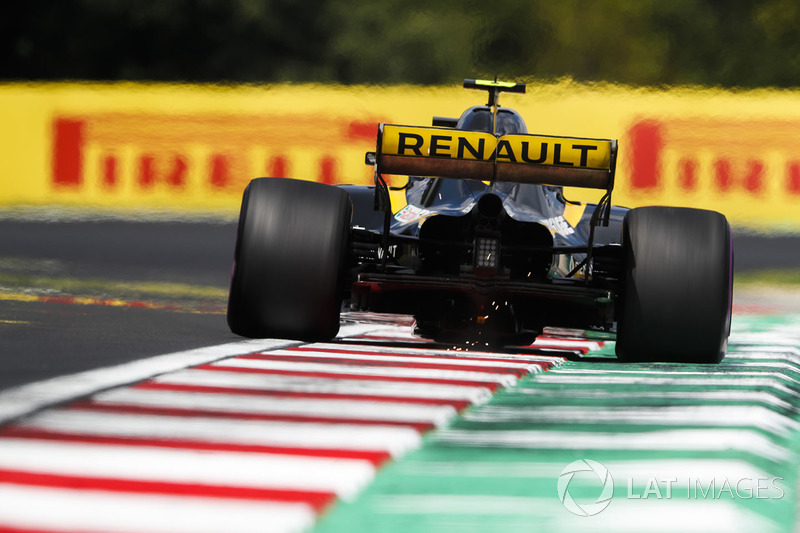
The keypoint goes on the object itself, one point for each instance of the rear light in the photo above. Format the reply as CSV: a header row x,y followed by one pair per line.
x,y
487,256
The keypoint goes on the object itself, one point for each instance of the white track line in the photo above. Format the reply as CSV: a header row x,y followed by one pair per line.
x,y
704,469
368,371
343,477
750,416
411,359
742,397
63,510
736,383
749,441
517,513
216,378
393,439
247,403
742,371
438,352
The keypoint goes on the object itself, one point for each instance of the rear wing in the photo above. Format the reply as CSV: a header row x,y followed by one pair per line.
x,y
520,158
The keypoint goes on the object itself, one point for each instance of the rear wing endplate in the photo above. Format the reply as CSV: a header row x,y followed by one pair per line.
x,y
519,158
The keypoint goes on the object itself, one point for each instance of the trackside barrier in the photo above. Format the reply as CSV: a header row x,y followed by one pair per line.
x,y
193,148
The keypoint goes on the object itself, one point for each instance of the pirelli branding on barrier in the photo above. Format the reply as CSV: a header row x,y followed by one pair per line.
x,y
575,162
747,168
733,153
194,148
188,158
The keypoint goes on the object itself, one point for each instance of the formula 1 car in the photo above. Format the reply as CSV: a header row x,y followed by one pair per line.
x,y
487,250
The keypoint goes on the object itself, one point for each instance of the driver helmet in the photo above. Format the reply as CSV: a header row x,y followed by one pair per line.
x,y
479,118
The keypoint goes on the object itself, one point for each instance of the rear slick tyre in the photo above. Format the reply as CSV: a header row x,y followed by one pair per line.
x,y
676,302
292,249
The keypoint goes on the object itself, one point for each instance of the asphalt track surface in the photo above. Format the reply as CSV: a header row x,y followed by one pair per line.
x,y
156,288
76,297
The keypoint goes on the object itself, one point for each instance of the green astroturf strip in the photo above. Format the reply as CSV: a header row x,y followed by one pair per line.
x,y
689,448
769,277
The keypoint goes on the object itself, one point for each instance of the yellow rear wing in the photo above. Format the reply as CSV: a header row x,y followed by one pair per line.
x,y
520,158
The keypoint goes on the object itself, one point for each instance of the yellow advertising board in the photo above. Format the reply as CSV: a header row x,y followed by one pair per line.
x,y
194,148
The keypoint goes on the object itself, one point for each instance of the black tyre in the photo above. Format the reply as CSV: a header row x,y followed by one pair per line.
x,y
676,302
292,249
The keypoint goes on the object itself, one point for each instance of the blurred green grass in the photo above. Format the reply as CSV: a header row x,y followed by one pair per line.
x,y
110,288
788,277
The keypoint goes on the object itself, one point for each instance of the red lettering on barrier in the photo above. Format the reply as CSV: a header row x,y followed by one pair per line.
x,y
793,177
68,144
110,178
178,176
722,173
278,167
327,169
687,174
219,171
165,148
367,131
736,150
646,141
752,180
149,174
